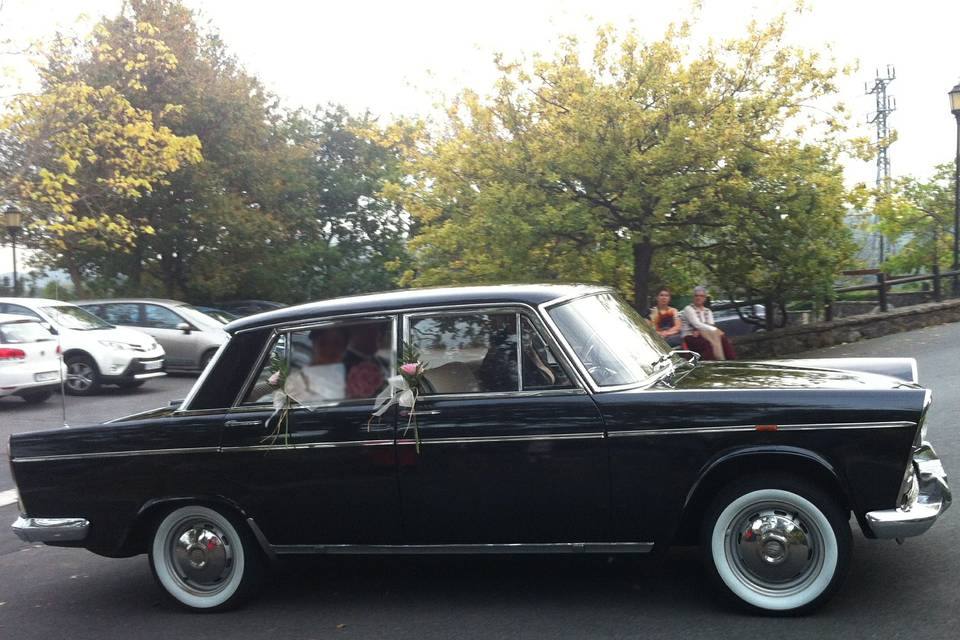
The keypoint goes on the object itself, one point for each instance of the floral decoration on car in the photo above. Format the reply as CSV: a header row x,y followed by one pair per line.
x,y
403,389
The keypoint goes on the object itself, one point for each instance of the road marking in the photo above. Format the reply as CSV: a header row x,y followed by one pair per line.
x,y
8,497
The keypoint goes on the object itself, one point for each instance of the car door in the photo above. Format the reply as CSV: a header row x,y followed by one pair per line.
x,y
500,461
322,471
180,346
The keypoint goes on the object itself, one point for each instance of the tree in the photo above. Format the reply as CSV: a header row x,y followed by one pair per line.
x,y
917,216
792,238
592,170
77,153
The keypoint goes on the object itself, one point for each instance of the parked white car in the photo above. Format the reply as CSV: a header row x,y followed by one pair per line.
x,y
95,351
30,363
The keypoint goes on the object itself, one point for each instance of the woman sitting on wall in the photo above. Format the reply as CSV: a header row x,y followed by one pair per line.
x,y
666,319
701,334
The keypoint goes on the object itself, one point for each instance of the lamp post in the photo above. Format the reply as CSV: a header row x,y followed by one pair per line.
x,y
955,109
11,220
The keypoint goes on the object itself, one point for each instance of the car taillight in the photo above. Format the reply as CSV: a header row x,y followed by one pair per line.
x,y
12,354
59,350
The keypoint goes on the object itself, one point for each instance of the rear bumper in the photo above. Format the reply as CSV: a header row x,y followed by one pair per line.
x,y
932,498
51,529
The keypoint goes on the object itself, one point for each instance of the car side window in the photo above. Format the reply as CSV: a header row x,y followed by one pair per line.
x,y
540,368
467,352
328,364
119,313
157,317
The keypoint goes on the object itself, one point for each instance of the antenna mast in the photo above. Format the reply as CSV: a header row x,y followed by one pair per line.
x,y
886,105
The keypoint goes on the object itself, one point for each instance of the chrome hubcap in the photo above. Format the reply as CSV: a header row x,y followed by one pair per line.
x,y
200,556
774,548
79,376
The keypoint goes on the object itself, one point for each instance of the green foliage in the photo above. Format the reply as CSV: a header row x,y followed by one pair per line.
x,y
918,216
640,158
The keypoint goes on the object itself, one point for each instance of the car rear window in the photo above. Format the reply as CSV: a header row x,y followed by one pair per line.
x,y
21,332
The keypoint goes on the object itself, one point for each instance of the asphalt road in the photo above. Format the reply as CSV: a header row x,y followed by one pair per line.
x,y
893,591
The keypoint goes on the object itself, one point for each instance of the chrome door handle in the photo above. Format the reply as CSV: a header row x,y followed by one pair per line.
x,y
243,423
432,412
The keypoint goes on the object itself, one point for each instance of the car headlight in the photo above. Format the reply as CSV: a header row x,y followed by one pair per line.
x,y
119,346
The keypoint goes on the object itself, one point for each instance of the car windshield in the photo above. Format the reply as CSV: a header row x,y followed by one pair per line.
x,y
613,342
71,317
23,332
199,318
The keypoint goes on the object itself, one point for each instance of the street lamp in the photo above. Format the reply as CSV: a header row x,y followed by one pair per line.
x,y
11,220
955,109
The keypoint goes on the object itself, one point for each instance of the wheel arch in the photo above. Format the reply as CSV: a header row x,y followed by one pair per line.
x,y
731,465
137,538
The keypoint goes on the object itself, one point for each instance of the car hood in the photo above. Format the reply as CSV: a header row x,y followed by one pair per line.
x,y
130,336
773,375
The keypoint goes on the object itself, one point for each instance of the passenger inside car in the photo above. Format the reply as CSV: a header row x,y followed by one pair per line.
x,y
324,378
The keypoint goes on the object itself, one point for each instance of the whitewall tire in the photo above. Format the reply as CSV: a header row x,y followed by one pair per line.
x,y
776,545
205,560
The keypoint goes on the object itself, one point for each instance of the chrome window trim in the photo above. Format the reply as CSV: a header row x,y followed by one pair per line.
x,y
326,322
195,389
533,393
753,428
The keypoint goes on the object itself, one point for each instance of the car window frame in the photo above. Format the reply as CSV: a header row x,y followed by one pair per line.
x,y
560,353
253,375
143,317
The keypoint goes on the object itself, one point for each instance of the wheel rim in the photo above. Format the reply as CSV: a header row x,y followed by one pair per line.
x,y
774,548
80,376
199,556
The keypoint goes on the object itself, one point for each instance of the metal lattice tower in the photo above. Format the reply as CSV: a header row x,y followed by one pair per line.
x,y
886,105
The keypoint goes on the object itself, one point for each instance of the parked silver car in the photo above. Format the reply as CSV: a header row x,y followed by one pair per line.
x,y
189,336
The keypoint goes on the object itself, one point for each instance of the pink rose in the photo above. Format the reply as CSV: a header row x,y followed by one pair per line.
x,y
274,380
410,368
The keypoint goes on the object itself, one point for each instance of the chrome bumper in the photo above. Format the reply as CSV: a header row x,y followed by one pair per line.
x,y
931,498
51,529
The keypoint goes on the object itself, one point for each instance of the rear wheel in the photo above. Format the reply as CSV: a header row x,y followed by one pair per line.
x,y
776,544
83,377
204,559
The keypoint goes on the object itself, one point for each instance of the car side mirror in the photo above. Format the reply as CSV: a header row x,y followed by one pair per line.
x,y
185,327
49,327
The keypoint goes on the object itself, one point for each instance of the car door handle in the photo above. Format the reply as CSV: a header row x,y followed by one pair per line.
x,y
432,412
243,423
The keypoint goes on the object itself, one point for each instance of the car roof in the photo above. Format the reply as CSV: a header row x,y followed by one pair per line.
x,y
131,301
35,302
15,317
530,294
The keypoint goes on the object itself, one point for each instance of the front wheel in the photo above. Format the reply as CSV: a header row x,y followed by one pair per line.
x,y
778,545
205,560
83,377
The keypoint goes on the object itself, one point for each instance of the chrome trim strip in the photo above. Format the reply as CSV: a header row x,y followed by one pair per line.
x,y
147,376
480,439
117,454
753,427
51,529
433,549
195,389
309,445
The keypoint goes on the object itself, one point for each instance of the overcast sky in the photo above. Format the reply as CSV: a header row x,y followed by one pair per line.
x,y
402,57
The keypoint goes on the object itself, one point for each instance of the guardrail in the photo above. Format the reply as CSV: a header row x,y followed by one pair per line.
x,y
773,320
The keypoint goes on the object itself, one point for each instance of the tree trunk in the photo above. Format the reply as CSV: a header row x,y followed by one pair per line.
x,y
76,277
642,258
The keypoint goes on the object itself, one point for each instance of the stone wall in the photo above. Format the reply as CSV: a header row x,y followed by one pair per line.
x,y
796,339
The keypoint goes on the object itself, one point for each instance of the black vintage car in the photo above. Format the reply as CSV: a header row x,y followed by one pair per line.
x,y
550,419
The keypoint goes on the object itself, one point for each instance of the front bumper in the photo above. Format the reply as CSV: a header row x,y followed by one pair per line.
x,y
139,369
51,529
932,498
